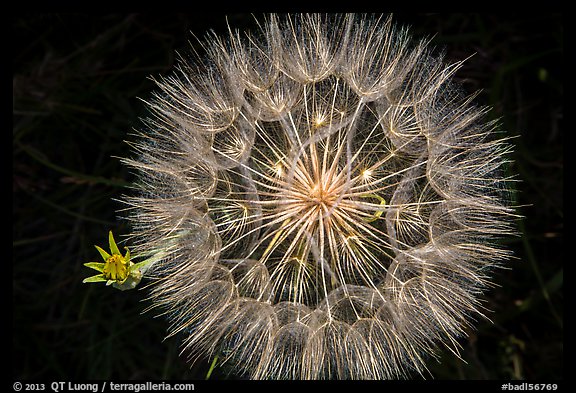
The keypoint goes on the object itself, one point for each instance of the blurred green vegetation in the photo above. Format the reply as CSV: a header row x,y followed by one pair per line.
x,y
77,80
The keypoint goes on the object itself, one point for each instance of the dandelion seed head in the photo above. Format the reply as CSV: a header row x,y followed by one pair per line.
x,y
321,199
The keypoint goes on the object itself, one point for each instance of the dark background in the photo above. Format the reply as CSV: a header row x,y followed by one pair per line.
x,y
76,82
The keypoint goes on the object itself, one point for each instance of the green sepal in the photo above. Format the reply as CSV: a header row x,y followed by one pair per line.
x,y
96,266
141,265
113,246
98,278
104,254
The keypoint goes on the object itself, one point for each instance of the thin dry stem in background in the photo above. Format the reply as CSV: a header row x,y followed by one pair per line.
x,y
320,200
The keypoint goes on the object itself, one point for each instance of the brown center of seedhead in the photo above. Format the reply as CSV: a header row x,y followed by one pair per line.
x,y
317,196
